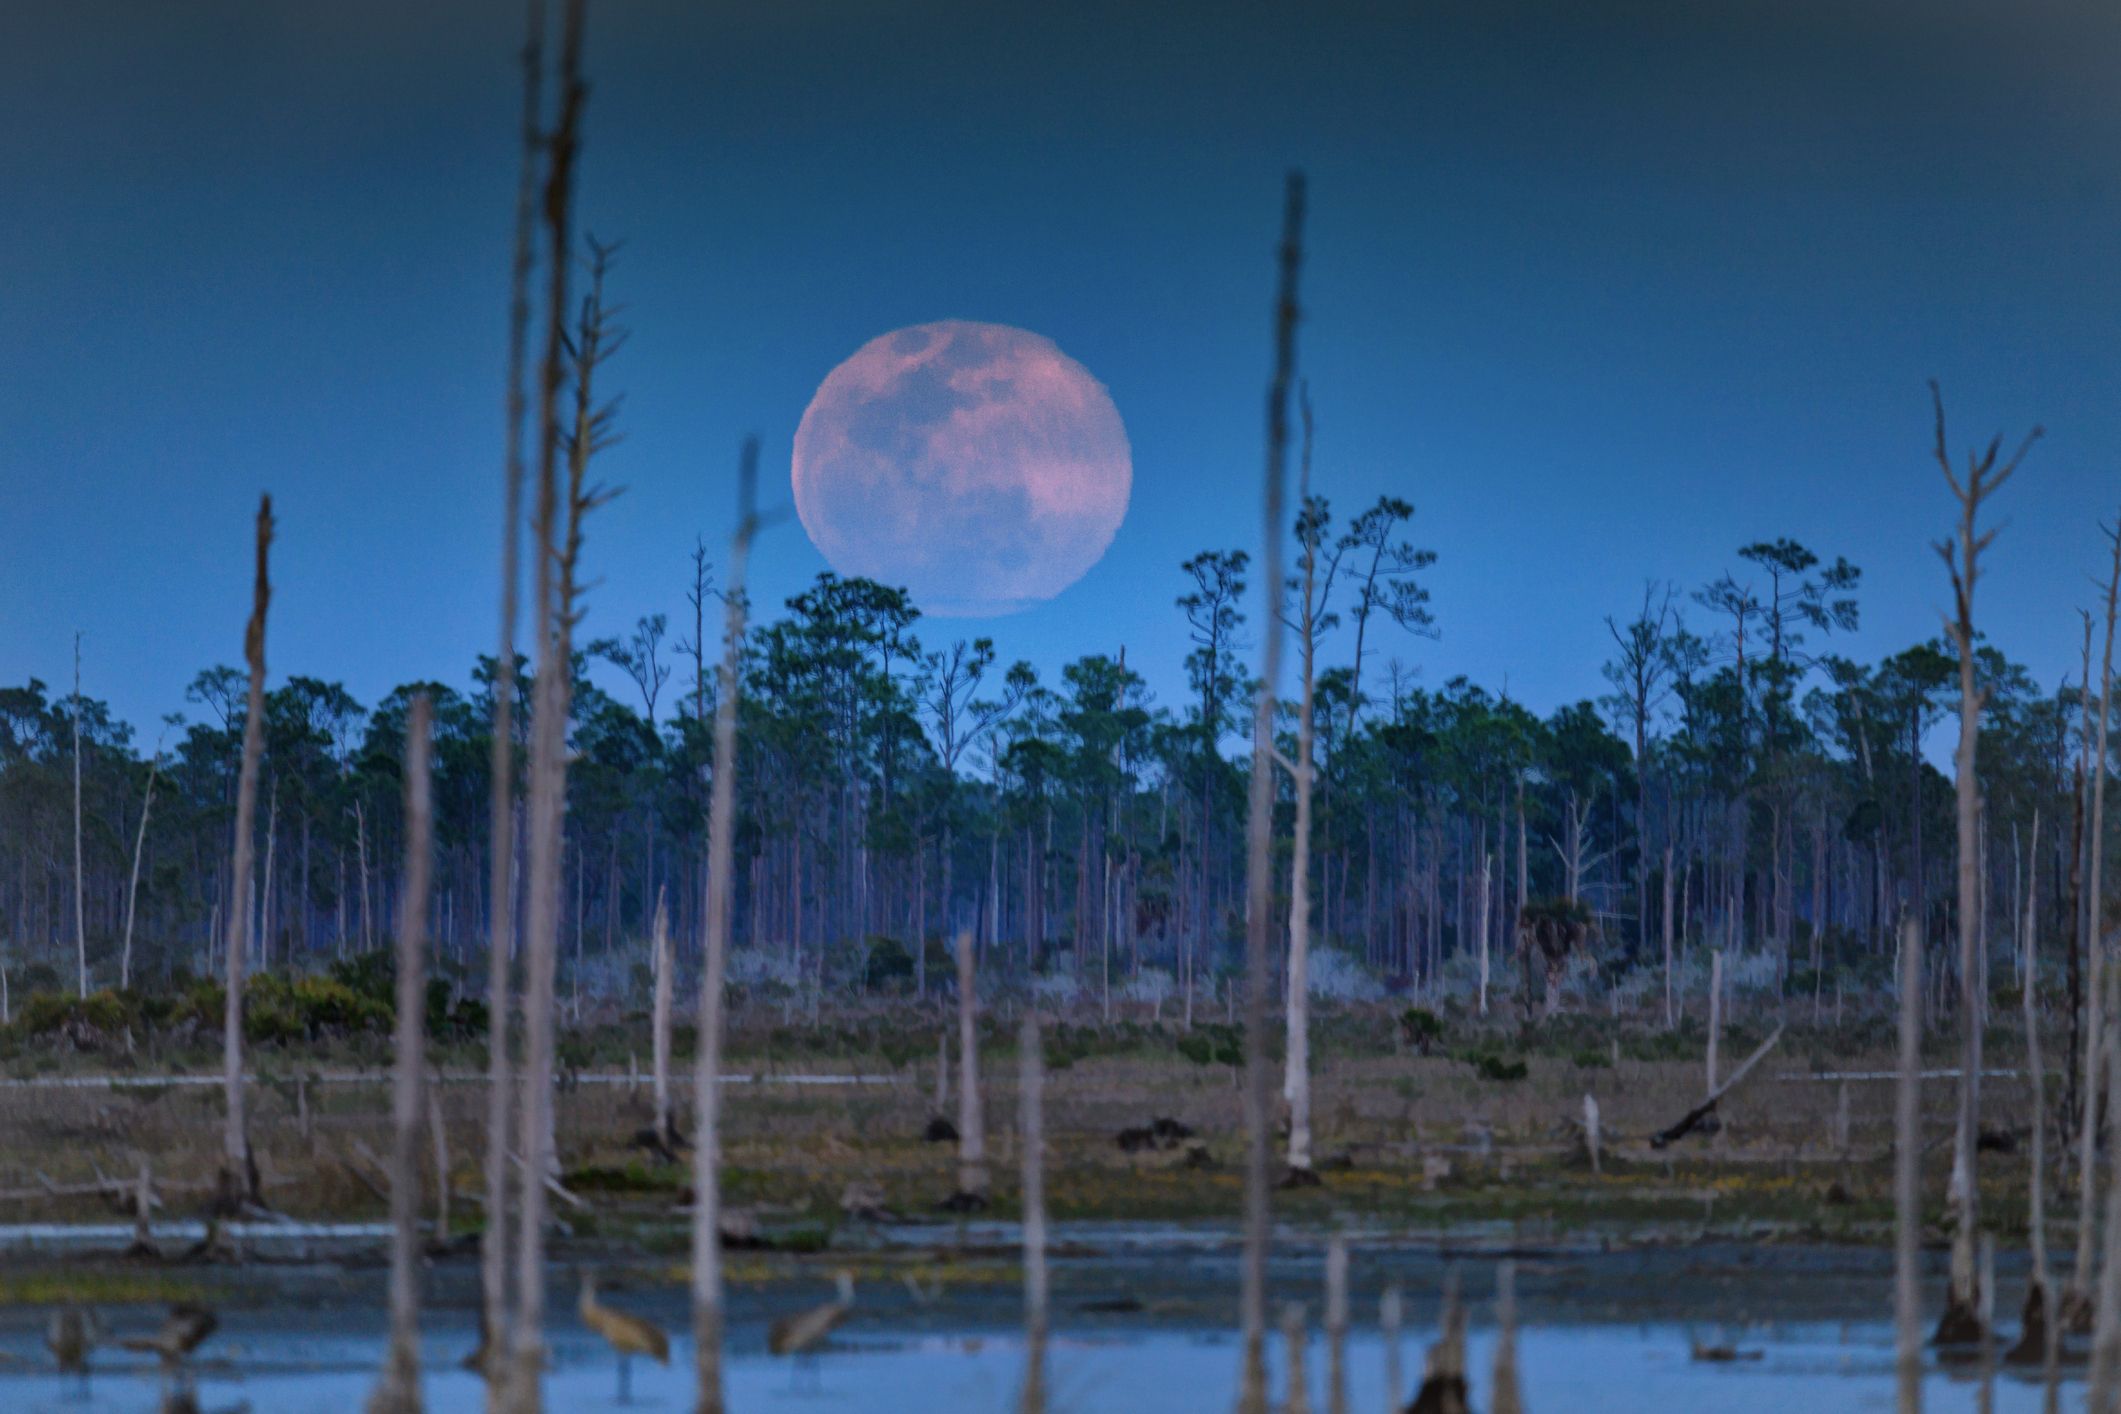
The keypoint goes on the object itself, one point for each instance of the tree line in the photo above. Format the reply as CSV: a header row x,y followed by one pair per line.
x,y
1738,784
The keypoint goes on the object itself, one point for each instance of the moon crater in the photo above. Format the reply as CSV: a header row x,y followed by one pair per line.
x,y
974,464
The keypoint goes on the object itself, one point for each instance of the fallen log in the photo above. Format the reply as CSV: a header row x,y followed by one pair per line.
x,y
1693,1117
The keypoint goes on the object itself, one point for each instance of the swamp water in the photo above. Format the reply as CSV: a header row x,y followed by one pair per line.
x,y
1141,1326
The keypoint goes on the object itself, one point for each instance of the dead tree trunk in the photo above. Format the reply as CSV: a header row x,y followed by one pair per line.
x,y
1907,1160
237,1186
132,883
399,1392
2099,990
971,1122
2086,1010
1031,1117
2106,1335
1390,1312
707,1065
494,1309
1337,1325
659,1022
1668,1017
1297,1082
2040,1328
548,762
1961,554
1259,855
80,886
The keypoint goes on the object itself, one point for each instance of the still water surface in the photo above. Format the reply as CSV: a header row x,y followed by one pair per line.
x,y
1602,1332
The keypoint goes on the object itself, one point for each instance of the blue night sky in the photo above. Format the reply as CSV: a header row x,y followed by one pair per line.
x,y
1605,290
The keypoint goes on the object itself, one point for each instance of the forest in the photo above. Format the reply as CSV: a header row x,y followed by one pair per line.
x,y
1738,784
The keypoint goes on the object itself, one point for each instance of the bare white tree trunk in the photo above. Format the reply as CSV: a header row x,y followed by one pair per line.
x,y
1480,930
1907,1160
438,1131
659,1023
368,940
552,619
265,901
1259,822
80,888
495,1303
2042,1291
2096,964
707,1077
1715,1011
1669,1018
971,1122
1981,479
1390,1312
1505,1398
399,1391
132,883
2098,993
1031,1118
235,1184
2106,1330
1337,1324
1296,1086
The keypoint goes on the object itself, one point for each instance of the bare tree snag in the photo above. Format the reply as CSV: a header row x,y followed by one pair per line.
x,y
1669,1019
1907,1161
1259,854
132,883
1693,1117
238,1181
1961,553
1337,1324
80,885
1295,1340
707,1316
659,1022
2086,1012
1296,1085
1505,1398
548,761
438,1132
495,1303
1030,1102
2099,990
2037,1341
1715,1010
1390,1314
399,1391
2106,1328
971,1119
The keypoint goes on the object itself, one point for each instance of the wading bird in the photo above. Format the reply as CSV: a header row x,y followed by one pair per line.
x,y
801,1334
181,1332
628,1334
69,1337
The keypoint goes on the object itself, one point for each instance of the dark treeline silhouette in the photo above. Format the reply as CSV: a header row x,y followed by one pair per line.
x,y
1777,794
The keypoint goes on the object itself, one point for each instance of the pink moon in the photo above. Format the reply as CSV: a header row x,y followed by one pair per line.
x,y
975,465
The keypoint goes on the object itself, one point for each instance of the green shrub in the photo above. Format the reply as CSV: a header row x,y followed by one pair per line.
x,y
1420,1028
889,966
107,1013
1489,1066
1213,1043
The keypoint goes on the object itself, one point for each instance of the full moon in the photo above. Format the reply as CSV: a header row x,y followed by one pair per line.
x,y
976,465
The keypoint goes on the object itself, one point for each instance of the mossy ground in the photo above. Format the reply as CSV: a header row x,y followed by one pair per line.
x,y
1421,1144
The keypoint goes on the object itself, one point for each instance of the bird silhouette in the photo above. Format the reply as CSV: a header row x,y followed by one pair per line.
x,y
70,1337
802,1334
628,1334
182,1331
